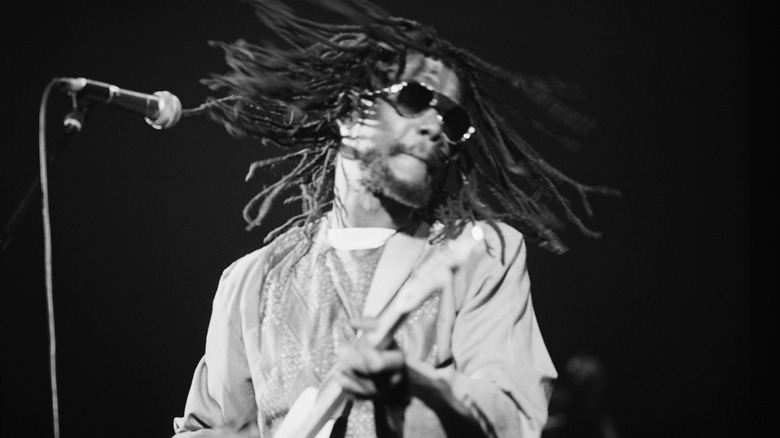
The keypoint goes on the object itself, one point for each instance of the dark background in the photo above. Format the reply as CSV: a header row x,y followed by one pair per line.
x,y
144,221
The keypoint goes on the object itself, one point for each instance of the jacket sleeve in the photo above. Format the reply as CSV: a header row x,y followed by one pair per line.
x,y
222,396
501,371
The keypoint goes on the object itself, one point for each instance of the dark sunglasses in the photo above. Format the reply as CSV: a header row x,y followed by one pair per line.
x,y
410,99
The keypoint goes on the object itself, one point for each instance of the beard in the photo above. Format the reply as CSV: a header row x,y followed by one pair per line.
x,y
380,180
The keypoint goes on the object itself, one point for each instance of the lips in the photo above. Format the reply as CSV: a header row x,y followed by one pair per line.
x,y
435,162
399,149
414,156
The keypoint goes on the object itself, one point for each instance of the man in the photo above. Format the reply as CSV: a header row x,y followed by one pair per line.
x,y
386,190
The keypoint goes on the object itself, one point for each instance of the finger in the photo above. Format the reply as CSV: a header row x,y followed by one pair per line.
x,y
385,361
366,361
358,387
364,324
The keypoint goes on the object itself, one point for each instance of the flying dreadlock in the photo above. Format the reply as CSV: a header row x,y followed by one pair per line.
x,y
292,97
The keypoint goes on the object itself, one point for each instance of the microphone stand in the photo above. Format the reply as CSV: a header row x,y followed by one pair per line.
x,y
73,123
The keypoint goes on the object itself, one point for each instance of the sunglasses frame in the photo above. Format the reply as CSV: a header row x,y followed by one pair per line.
x,y
395,89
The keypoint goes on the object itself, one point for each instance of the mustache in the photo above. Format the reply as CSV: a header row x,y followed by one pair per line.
x,y
435,160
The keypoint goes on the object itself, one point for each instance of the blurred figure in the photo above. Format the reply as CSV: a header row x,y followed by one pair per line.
x,y
580,405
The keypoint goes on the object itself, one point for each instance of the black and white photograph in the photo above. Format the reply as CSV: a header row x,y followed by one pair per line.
x,y
375,218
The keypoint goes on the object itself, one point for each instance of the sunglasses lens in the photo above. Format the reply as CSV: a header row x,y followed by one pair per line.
x,y
456,123
413,99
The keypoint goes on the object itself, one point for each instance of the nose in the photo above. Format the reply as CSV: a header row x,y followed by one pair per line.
x,y
430,143
429,124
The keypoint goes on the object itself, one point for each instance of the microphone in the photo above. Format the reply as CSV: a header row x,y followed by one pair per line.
x,y
161,110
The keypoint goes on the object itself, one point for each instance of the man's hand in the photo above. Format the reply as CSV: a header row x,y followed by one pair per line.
x,y
368,373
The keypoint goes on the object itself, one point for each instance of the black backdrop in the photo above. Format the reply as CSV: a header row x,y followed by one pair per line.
x,y
144,221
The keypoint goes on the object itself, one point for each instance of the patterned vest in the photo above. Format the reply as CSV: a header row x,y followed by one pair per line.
x,y
311,293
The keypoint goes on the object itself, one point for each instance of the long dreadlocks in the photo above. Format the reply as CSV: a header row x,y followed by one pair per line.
x,y
292,98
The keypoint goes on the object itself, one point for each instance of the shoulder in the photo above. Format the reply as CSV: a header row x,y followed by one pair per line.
x,y
246,274
256,261
240,279
503,242
498,232
491,269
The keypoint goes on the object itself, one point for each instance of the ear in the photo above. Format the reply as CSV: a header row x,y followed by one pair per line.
x,y
345,126
355,120
348,130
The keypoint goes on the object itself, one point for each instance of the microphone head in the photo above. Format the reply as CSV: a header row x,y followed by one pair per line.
x,y
72,85
169,112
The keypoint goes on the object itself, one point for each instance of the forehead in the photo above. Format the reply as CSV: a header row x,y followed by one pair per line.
x,y
434,73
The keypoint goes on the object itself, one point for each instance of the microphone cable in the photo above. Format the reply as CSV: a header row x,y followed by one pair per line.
x,y
43,158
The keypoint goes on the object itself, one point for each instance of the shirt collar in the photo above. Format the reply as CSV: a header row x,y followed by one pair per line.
x,y
350,239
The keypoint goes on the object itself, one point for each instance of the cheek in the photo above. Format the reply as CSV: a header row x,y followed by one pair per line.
x,y
388,122
380,130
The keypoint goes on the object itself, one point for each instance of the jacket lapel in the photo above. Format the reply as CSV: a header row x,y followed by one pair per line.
x,y
401,254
